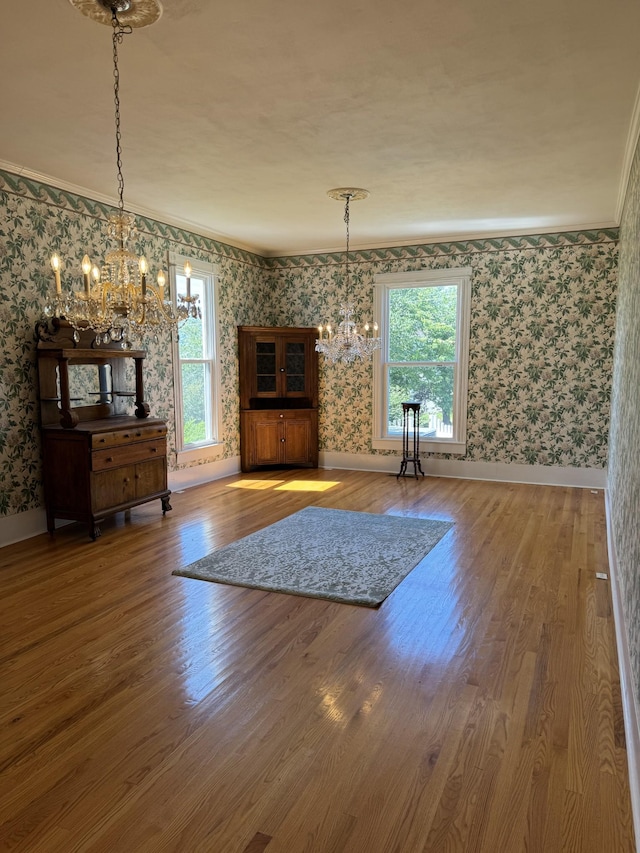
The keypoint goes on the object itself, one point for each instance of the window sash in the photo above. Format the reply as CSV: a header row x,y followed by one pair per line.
x,y
383,438
203,280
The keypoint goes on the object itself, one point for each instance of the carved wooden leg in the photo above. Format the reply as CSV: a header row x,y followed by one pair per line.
x,y
166,506
94,530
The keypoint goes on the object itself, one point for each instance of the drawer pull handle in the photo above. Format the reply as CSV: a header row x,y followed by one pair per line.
x,y
154,449
138,434
281,416
126,480
102,440
109,458
126,435
282,440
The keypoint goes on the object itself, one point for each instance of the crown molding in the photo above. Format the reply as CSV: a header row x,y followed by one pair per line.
x,y
629,154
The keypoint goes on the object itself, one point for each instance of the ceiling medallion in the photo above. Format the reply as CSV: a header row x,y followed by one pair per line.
x,y
351,193
131,13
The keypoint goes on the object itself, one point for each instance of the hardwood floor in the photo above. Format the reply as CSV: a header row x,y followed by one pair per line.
x,y
478,709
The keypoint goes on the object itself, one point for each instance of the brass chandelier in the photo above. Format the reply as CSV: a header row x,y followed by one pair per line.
x,y
346,343
117,301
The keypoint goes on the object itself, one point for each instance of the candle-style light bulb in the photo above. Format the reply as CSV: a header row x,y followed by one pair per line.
x,y
86,272
187,272
144,266
55,266
375,327
162,280
320,332
95,272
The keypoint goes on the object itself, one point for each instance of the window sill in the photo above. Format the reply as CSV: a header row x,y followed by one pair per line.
x,y
202,453
443,445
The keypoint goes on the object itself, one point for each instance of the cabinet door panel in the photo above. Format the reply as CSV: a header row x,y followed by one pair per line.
x,y
297,441
265,441
111,488
150,477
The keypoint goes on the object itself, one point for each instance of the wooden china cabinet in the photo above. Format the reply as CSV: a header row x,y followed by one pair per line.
x,y
98,458
278,397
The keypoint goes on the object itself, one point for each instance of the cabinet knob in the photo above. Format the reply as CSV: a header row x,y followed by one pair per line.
x,y
282,440
281,415
282,370
126,480
109,458
126,435
154,449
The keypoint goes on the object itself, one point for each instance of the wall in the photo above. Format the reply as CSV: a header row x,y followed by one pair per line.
x,y
541,348
624,457
36,219
543,313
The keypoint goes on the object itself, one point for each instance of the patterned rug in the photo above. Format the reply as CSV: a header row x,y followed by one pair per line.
x,y
352,557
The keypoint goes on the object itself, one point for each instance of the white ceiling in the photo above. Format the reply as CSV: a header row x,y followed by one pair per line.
x,y
460,117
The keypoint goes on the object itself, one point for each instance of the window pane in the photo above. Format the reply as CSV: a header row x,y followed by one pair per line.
x,y
422,323
432,387
195,390
192,331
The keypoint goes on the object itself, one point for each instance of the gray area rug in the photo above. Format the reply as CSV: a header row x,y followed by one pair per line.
x,y
352,557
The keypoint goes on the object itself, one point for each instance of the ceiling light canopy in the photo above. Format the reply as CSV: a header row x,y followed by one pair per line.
x,y
347,343
117,301
131,13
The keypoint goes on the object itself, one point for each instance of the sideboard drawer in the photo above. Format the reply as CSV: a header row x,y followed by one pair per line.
x,y
115,438
102,460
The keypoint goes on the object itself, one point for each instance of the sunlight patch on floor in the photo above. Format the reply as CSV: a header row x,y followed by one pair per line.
x,y
307,486
255,484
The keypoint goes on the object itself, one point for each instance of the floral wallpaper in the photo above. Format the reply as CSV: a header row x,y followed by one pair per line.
x,y
624,457
541,348
36,219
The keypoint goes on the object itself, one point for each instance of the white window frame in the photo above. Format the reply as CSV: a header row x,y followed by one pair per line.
x,y
384,283
211,448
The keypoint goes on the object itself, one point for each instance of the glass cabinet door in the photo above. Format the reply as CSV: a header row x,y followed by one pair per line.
x,y
266,368
295,357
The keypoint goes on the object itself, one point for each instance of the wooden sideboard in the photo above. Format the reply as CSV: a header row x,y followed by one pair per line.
x,y
98,459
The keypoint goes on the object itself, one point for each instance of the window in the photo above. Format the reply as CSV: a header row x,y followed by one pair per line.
x,y
196,377
424,325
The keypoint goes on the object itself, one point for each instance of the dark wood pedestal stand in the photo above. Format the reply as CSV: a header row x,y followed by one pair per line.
x,y
410,418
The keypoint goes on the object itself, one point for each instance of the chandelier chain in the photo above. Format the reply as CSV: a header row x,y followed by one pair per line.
x,y
346,266
119,31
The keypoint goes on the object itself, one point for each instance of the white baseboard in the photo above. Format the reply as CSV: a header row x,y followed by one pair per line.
x,y
629,703
14,528
503,472
197,475
23,525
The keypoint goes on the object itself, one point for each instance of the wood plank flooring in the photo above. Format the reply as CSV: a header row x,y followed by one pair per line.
x,y
478,709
